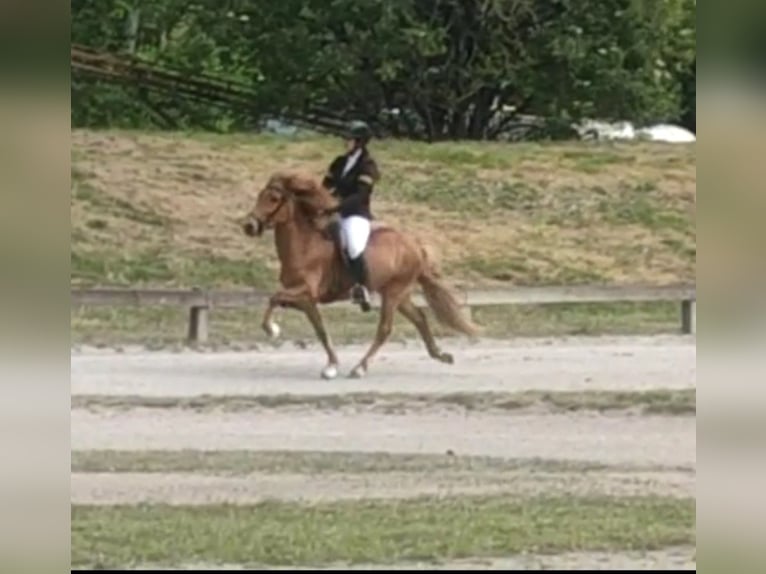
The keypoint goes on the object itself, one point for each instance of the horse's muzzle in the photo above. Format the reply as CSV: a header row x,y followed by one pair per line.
x,y
253,228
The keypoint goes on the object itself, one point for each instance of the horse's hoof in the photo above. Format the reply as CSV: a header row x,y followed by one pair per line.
x,y
329,372
358,372
446,358
272,330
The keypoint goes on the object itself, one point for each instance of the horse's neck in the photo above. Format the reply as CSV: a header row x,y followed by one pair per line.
x,y
293,240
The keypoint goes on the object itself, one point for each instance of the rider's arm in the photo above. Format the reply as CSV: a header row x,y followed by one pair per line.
x,y
329,179
364,184
363,190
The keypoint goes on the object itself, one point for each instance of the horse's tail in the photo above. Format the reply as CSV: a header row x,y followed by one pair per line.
x,y
441,300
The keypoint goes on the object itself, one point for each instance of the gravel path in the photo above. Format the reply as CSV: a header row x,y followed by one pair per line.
x,y
610,439
677,558
624,363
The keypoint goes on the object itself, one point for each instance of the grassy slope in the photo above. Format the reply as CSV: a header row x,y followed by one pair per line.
x,y
160,209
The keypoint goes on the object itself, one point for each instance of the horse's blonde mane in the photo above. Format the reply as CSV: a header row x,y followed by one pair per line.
x,y
308,191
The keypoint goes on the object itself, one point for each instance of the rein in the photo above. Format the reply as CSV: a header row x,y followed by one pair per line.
x,y
284,197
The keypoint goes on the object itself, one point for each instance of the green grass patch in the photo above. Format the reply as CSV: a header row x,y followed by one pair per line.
x,y
240,463
144,267
210,270
161,266
661,401
160,327
644,205
526,271
105,204
382,532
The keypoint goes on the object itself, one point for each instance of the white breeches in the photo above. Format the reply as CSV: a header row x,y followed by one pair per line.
x,y
354,233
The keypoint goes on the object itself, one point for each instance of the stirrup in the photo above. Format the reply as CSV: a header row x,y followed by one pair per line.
x,y
361,297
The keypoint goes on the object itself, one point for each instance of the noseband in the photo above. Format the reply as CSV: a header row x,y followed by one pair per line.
x,y
284,195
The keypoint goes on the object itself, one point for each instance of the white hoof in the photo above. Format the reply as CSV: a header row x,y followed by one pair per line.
x,y
329,372
273,330
358,372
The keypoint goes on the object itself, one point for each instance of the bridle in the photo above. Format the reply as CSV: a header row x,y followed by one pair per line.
x,y
258,225
284,196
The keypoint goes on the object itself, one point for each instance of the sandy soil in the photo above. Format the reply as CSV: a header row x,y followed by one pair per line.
x,y
624,363
180,488
610,439
677,558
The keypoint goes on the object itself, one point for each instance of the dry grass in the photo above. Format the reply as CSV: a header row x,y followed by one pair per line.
x,y
160,209
315,463
161,327
681,402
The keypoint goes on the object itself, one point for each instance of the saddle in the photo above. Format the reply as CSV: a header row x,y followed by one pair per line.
x,y
331,232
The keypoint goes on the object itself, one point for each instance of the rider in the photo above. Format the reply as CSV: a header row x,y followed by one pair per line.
x,y
351,177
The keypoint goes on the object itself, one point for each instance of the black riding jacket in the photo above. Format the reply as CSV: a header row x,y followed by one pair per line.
x,y
355,187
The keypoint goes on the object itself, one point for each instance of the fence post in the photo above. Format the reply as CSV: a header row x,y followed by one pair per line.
x,y
689,317
198,324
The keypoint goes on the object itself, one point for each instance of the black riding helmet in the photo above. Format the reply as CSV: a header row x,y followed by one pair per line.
x,y
359,131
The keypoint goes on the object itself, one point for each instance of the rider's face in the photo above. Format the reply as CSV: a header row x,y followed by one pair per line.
x,y
350,145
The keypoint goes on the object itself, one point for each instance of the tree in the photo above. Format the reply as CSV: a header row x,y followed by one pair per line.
x,y
430,69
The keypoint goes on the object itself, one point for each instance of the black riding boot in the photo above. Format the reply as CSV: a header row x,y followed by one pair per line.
x,y
334,233
360,294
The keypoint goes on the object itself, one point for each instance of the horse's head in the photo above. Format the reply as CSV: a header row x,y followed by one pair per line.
x,y
283,196
272,207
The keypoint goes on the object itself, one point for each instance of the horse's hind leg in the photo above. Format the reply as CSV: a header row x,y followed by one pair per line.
x,y
418,318
389,303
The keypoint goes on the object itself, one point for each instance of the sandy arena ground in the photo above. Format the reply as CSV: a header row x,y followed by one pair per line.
x,y
664,445
622,363
678,558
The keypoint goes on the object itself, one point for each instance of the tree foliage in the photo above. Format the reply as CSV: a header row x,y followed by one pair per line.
x,y
433,69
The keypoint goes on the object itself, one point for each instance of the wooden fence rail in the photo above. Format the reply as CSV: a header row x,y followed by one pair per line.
x,y
199,302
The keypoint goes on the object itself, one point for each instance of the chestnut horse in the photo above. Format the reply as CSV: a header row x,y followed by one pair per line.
x,y
313,271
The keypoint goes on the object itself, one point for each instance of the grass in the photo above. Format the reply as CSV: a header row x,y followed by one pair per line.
x,y
428,529
159,327
240,463
663,401
159,267
160,208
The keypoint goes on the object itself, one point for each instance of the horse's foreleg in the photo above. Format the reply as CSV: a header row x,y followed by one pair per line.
x,y
312,312
267,324
285,298
419,319
301,300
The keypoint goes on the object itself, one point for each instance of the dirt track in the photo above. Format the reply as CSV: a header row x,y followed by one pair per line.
x,y
624,363
678,558
608,439
664,443
590,364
